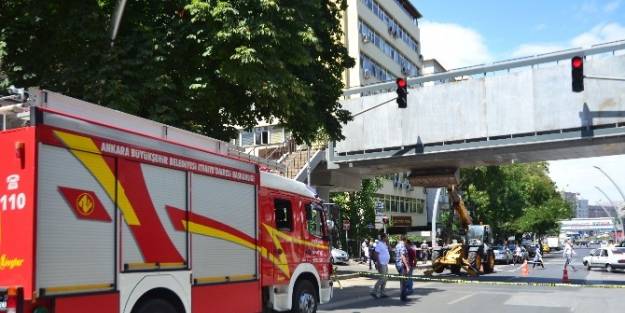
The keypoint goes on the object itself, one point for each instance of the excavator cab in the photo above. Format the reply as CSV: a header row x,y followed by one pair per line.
x,y
480,255
478,235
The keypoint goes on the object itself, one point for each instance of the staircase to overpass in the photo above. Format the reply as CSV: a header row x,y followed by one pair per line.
x,y
521,110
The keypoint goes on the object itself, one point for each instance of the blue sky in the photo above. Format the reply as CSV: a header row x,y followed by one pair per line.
x,y
506,25
462,33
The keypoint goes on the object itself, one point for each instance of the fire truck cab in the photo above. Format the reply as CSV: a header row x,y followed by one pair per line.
x,y
102,211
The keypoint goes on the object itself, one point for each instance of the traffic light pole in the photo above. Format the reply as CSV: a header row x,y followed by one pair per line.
x,y
622,79
373,107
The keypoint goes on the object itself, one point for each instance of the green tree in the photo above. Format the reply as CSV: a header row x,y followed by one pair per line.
x,y
200,65
359,208
513,198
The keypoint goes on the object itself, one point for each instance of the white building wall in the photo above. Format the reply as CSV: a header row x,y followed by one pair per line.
x,y
400,191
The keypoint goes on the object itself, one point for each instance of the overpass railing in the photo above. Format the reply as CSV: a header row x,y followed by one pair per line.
x,y
492,67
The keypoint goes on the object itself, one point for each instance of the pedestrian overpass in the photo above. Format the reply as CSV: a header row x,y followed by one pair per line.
x,y
521,110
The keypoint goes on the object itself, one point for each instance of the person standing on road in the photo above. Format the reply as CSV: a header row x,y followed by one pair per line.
x,y
382,256
402,265
412,263
568,255
538,258
424,252
364,248
518,256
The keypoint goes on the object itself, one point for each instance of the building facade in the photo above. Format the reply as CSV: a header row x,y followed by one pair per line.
x,y
582,209
383,37
403,204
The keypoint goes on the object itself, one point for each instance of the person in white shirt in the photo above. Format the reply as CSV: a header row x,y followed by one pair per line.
x,y
382,258
568,255
365,250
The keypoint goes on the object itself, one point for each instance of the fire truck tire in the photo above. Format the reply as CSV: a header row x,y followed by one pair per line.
x,y
156,306
304,298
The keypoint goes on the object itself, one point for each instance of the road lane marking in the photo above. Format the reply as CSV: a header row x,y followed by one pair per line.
x,y
390,293
461,298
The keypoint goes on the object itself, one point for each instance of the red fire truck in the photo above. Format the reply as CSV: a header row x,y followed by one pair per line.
x,y
102,211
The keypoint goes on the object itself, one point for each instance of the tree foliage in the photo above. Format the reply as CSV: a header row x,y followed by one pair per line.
x,y
359,208
200,65
514,198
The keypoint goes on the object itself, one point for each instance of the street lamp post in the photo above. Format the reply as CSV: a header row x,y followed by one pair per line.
x,y
613,183
617,209
618,219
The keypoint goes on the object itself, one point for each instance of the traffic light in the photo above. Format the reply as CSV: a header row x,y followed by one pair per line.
x,y
577,73
402,93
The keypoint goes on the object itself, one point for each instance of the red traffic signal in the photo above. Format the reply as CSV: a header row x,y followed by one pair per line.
x,y
402,93
401,83
577,74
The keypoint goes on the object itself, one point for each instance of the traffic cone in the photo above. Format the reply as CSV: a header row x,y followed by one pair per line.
x,y
525,270
565,275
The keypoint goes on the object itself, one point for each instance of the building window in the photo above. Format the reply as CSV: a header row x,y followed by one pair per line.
x,y
261,136
247,138
407,67
393,27
372,69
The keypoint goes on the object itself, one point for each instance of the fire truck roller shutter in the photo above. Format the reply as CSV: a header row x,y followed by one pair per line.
x,y
75,240
150,190
227,247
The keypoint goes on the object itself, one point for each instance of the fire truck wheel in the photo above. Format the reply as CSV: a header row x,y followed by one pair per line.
x,y
304,298
156,306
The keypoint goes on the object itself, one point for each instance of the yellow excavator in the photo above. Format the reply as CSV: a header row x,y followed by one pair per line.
x,y
475,255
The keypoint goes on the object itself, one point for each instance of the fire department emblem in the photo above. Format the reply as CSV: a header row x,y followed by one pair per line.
x,y
84,204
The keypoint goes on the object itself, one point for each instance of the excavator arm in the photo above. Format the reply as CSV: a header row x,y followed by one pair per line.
x,y
458,205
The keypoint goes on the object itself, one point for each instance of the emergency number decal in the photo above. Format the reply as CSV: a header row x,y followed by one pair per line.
x,y
13,200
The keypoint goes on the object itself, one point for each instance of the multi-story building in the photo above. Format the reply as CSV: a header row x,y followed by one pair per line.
x,y
383,37
595,211
403,204
581,211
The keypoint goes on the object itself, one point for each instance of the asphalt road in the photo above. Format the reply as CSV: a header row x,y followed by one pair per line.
x,y
490,293
552,273
458,298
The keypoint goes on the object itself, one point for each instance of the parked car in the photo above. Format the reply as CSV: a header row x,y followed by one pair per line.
x,y
502,255
608,258
339,256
